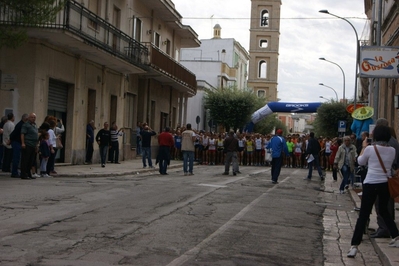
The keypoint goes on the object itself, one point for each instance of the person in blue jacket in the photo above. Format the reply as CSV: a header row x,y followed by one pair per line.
x,y
278,146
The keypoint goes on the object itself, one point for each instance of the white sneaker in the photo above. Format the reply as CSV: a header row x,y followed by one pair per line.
x,y
394,243
342,192
46,175
352,252
35,175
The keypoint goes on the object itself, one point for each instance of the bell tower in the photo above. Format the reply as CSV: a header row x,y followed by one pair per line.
x,y
264,47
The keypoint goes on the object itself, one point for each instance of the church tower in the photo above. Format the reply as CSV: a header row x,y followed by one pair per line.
x,y
263,48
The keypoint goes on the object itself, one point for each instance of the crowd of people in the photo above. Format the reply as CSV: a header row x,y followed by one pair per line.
x,y
28,151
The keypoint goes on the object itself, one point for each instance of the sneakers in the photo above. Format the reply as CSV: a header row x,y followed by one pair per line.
x,y
46,175
394,243
346,186
274,182
342,192
35,176
352,252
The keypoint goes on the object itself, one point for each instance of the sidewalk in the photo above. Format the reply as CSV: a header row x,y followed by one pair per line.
x,y
339,225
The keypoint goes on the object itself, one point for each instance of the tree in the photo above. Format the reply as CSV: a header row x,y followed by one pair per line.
x,y
16,15
232,107
328,115
267,125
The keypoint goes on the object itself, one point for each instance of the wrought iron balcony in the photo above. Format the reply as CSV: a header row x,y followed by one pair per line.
x,y
168,71
89,30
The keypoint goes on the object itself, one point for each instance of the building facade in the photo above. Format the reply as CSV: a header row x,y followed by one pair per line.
x,y
264,48
388,87
220,63
114,60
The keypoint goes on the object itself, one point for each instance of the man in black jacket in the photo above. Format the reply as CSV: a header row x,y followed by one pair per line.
x,y
313,150
15,138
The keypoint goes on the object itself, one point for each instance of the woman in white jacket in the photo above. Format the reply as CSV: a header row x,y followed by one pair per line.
x,y
375,184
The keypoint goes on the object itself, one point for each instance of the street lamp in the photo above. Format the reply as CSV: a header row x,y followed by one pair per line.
x,y
336,95
343,75
324,98
357,50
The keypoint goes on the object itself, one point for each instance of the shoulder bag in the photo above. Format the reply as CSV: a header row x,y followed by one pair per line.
x,y
393,181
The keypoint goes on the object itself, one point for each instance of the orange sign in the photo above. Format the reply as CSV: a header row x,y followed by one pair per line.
x,y
351,107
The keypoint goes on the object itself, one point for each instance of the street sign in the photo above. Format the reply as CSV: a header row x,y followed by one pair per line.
x,y
341,126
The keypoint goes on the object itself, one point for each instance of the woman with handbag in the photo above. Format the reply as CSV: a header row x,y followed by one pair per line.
x,y
378,157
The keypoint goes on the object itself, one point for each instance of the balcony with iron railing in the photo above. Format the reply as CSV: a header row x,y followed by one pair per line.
x,y
171,70
87,26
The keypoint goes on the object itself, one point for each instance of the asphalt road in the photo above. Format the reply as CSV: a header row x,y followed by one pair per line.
x,y
205,219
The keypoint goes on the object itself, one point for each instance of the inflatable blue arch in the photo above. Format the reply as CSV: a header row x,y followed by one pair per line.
x,y
281,107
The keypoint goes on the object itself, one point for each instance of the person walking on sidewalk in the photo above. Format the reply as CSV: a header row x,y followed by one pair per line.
x,y
278,146
313,149
146,135
166,142
188,149
376,157
345,162
103,139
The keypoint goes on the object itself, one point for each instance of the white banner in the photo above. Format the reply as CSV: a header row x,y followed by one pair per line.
x,y
379,62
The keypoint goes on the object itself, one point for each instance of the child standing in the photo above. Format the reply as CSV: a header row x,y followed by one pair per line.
x,y
44,151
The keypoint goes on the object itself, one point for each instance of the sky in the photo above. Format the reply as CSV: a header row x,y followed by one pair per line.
x,y
305,36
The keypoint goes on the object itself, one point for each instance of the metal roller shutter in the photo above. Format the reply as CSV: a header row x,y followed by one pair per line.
x,y
57,96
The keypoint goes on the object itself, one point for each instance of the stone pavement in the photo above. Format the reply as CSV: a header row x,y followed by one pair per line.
x,y
339,216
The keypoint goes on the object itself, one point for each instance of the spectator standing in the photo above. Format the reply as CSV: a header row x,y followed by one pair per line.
x,y
29,140
2,122
231,148
7,130
165,142
113,155
139,128
44,153
103,139
52,142
89,141
146,135
279,147
345,162
187,147
334,148
313,149
15,138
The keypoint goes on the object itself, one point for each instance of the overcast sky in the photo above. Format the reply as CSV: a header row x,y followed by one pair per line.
x,y
305,36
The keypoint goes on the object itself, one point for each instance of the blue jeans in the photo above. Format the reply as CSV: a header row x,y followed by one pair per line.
x,y
346,172
315,162
188,161
276,167
16,157
103,154
146,153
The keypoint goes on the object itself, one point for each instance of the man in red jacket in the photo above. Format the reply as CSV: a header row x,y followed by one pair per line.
x,y
166,142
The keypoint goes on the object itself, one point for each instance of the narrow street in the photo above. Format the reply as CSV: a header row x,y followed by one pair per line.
x,y
149,219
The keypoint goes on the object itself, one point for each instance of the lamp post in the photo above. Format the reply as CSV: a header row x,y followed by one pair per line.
x,y
324,98
336,95
357,49
343,76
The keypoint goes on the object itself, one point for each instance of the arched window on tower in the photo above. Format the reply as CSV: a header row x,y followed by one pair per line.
x,y
264,18
262,72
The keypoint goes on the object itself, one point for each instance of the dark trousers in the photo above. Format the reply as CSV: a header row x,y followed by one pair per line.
x,y
113,155
51,162
103,153
370,193
89,151
164,159
28,157
315,163
276,167
7,159
16,157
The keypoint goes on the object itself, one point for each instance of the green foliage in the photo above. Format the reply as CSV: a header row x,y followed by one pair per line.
x,y
328,115
22,13
232,107
267,125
